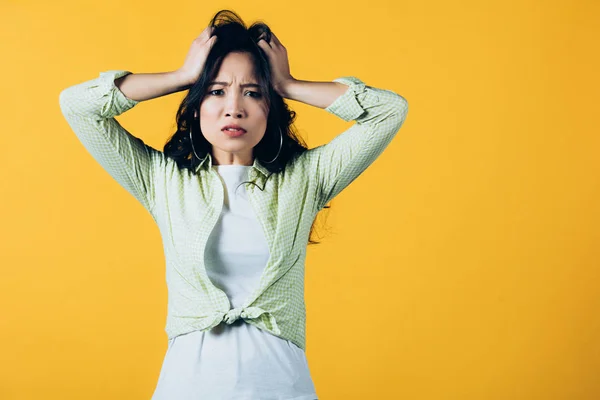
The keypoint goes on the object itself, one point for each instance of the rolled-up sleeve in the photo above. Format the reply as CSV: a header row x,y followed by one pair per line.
x,y
378,113
90,109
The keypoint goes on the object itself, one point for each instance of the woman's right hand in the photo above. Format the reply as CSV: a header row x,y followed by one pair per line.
x,y
196,57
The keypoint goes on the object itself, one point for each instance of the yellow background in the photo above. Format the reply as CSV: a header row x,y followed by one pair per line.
x,y
463,264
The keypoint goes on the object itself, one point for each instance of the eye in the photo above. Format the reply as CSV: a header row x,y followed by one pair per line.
x,y
254,94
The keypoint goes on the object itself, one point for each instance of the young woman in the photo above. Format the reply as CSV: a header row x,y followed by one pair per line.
x,y
234,193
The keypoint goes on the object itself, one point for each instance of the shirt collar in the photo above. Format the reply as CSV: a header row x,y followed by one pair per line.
x,y
206,163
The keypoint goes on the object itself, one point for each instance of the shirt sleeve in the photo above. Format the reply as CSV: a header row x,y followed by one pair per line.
x,y
90,109
378,113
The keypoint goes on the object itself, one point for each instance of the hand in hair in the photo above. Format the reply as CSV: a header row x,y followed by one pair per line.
x,y
278,60
197,55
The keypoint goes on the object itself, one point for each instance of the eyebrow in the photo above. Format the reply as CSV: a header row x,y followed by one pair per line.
x,y
227,84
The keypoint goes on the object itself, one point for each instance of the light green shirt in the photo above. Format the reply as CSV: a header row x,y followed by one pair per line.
x,y
187,206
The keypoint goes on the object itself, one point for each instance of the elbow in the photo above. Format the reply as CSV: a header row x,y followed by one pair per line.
x,y
71,102
64,101
401,110
403,104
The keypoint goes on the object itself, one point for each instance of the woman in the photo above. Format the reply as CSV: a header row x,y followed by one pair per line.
x,y
234,193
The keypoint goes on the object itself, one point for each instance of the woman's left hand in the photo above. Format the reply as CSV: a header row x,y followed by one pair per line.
x,y
278,59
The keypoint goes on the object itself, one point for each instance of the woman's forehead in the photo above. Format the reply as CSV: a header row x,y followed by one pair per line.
x,y
237,68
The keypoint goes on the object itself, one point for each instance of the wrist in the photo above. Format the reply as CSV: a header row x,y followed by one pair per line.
x,y
182,78
287,88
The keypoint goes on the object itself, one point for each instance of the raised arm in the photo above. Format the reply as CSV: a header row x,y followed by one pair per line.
x,y
378,113
90,108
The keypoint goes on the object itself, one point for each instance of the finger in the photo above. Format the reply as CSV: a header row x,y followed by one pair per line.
x,y
202,35
210,37
263,44
274,39
208,31
263,36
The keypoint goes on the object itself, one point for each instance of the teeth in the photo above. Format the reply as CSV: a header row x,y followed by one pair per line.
x,y
233,130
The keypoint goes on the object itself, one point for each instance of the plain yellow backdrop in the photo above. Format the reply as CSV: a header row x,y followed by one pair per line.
x,y
463,264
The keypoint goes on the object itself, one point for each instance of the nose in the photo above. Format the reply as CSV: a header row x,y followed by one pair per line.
x,y
234,106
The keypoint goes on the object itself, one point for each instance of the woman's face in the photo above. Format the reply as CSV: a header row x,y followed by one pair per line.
x,y
230,102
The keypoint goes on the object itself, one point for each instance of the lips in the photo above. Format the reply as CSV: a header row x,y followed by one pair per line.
x,y
233,128
236,133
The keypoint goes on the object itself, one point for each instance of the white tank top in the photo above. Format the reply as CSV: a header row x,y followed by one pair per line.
x,y
237,361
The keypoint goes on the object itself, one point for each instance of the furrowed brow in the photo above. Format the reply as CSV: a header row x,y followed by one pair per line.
x,y
256,85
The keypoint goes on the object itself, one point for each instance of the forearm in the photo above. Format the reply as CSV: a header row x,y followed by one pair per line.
x,y
318,94
148,86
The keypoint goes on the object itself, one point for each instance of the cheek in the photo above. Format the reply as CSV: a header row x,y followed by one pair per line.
x,y
209,118
208,111
264,109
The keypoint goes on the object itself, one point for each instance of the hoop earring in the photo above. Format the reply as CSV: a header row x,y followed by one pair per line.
x,y
192,140
280,146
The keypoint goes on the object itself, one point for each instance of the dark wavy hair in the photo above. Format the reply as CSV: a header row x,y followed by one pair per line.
x,y
233,36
